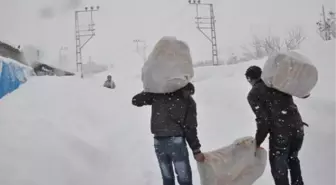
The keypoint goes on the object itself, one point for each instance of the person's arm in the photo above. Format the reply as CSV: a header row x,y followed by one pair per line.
x,y
262,117
142,99
187,118
190,131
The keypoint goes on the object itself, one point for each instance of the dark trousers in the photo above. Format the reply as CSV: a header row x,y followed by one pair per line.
x,y
172,153
283,156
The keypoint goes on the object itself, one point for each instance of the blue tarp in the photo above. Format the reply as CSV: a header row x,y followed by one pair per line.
x,y
11,77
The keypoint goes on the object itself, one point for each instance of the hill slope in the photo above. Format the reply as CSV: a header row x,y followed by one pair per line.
x,y
68,131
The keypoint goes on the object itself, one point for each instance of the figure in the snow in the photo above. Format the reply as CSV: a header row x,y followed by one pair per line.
x,y
109,83
277,115
173,122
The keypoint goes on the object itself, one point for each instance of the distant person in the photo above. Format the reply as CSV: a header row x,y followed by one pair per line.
x,y
109,83
277,115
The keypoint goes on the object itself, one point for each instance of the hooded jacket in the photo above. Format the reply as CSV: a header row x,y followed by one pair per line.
x,y
173,114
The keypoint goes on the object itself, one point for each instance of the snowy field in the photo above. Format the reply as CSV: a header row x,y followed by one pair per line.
x,y
68,131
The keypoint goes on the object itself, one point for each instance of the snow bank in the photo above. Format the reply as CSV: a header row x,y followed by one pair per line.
x,y
73,132
224,113
68,131
12,75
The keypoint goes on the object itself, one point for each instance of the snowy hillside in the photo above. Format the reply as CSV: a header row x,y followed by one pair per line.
x,y
68,131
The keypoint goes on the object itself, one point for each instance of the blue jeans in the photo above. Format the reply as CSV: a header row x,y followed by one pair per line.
x,y
173,151
283,156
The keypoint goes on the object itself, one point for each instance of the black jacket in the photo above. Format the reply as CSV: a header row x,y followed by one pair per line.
x,y
173,114
276,113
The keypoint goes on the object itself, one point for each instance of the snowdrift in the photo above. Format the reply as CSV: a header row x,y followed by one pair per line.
x,y
69,131
12,75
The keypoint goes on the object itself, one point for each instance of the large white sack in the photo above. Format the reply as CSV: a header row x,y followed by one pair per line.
x,y
237,164
291,73
168,68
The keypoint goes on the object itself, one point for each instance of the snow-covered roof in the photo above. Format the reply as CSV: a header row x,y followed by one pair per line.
x,y
8,46
9,60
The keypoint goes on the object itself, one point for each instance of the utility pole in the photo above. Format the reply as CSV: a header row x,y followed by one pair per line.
x,y
207,23
38,55
61,55
144,46
88,34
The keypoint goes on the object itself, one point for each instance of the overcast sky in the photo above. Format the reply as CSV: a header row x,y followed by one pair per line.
x,y
49,24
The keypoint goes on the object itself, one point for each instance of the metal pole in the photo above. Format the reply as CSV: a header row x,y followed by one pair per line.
x,y
61,55
88,34
143,53
203,24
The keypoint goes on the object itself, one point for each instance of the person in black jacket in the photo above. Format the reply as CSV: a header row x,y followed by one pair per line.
x,y
277,115
173,122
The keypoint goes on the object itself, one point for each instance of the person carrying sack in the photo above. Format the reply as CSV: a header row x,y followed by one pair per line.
x,y
167,89
277,115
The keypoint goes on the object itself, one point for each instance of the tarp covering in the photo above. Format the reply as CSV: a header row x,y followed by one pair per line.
x,y
168,68
12,75
237,164
291,73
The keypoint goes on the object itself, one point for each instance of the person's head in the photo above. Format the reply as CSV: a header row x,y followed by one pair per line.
x,y
109,77
253,74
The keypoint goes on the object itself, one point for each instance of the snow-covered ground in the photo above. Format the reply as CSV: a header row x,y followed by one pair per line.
x,y
68,131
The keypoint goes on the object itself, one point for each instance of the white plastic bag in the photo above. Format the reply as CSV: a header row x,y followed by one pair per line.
x,y
291,73
168,68
237,164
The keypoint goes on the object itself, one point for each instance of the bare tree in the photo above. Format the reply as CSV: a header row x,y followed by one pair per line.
x,y
294,39
257,45
247,54
253,51
271,45
274,44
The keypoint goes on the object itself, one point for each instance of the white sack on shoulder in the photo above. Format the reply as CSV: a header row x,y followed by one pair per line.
x,y
291,73
237,164
168,68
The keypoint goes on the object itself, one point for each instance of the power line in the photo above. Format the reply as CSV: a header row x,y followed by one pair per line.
x,y
88,33
207,23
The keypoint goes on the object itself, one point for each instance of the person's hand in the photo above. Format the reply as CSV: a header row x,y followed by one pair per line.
x,y
259,147
199,157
